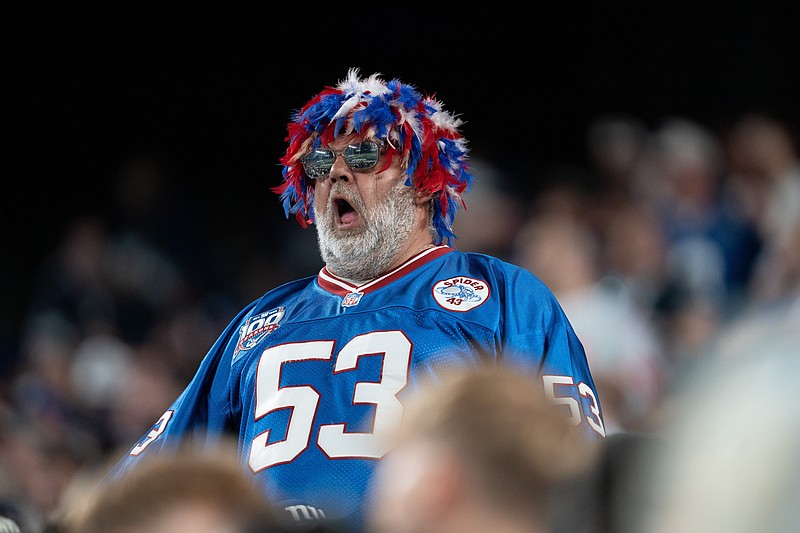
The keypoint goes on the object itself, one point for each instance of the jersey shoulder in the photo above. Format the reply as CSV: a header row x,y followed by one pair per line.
x,y
282,293
500,270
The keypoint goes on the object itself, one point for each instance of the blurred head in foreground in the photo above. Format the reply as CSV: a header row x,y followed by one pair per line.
x,y
198,491
483,450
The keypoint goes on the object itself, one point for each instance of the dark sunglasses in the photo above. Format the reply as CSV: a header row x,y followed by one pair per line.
x,y
360,157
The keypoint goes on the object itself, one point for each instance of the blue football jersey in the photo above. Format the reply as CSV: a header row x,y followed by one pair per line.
x,y
312,375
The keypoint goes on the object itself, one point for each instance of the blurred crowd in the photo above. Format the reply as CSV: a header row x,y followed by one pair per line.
x,y
673,243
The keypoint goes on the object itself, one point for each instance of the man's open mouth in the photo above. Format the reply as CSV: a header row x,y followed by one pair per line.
x,y
346,215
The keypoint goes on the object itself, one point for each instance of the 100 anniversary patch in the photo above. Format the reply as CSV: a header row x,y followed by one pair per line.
x,y
256,328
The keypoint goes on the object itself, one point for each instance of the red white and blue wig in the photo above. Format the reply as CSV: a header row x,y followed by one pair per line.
x,y
416,127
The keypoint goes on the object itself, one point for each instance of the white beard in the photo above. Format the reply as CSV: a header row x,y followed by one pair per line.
x,y
366,252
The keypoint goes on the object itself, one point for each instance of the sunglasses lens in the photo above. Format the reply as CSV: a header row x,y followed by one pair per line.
x,y
318,163
362,156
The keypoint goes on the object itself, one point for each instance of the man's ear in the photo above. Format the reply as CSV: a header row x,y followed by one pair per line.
x,y
422,197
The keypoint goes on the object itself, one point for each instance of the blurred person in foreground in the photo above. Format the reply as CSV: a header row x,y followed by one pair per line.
x,y
199,490
311,376
480,451
730,458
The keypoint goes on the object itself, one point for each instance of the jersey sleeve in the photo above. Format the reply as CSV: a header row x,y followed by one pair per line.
x,y
203,410
537,335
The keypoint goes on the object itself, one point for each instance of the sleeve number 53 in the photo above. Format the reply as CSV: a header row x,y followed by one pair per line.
x,y
594,419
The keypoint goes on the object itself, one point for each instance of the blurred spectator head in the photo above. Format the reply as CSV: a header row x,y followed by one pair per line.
x,y
615,144
761,147
203,490
490,199
47,346
560,251
634,248
99,363
765,165
690,158
480,450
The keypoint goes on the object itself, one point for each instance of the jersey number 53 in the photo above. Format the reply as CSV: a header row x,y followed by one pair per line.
x,y
303,399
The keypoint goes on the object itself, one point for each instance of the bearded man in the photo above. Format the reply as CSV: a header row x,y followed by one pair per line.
x,y
312,376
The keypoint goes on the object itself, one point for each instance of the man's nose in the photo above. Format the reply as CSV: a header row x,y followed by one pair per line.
x,y
340,170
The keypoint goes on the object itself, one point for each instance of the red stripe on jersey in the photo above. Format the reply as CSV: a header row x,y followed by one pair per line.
x,y
342,287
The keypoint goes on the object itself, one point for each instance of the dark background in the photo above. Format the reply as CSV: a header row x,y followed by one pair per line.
x,y
210,93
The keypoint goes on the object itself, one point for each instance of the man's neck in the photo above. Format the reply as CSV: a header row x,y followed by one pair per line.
x,y
411,250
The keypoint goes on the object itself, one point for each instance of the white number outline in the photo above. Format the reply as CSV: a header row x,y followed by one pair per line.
x,y
594,420
155,432
303,400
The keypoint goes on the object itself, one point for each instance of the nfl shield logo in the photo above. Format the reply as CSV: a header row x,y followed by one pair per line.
x,y
351,299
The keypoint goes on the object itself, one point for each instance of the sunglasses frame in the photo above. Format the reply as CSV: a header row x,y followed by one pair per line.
x,y
381,144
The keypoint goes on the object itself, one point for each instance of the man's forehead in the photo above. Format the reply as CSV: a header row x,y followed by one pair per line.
x,y
344,140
